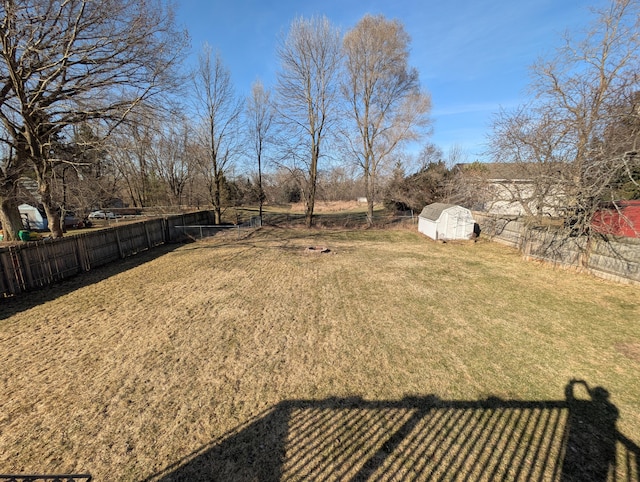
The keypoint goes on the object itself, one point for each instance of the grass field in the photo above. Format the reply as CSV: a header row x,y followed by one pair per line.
x,y
253,359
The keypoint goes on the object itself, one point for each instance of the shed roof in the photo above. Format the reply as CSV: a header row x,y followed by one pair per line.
x,y
433,211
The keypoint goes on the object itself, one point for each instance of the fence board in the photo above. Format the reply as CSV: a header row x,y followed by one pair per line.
x,y
4,287
102,248
609,257
156,230
12,270
37,264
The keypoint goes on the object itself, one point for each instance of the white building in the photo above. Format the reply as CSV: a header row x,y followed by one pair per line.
x,y
446,222
32,218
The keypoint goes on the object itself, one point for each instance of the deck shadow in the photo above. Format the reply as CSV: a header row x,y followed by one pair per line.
x,y
423,438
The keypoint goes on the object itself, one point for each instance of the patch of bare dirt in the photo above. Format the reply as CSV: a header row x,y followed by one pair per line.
x,y
630,350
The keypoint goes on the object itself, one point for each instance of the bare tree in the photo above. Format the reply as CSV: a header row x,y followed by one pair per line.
x,y
131,149
220,112
386,105
65,62
171,158
260,120
621,143
429,154
583,96
533,146
307,94
91,180
340,183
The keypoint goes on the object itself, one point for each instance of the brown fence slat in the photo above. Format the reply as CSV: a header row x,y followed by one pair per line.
x,y
12,269
102,248
608,257
4,287
38,264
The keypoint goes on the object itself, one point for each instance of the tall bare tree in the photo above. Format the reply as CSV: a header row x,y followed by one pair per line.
x,y
131,150
91,180
386,105
584,94
220,112
307,88
260,121
171,159
65,62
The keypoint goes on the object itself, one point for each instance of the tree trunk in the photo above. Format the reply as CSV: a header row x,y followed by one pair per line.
x,y
308,213
369,210
217,208
371,192
53,218
9,214
261,195
10,218
52,211
310,199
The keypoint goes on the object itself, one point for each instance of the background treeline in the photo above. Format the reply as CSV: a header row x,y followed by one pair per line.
x,y
99,108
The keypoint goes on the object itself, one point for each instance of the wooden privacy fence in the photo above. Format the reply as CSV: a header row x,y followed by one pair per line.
x,y
34,265
609,257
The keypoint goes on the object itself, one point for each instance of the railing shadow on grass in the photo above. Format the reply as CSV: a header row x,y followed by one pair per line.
x,y
27,300
423,438
46,478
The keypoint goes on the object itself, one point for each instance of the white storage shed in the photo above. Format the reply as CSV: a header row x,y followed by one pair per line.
x,y
446,222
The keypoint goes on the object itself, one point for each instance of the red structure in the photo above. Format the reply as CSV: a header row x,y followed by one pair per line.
x,y
623,219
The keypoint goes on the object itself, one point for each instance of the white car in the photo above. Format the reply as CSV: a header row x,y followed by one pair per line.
x,y
102,215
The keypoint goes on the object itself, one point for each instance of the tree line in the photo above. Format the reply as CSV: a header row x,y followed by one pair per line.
x,y
95,108
577,138
571,150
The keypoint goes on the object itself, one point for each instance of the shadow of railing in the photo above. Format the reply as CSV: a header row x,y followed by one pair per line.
x,y
422,438
46,478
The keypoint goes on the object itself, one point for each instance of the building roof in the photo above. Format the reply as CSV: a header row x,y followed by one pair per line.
x,y
433,211
513,171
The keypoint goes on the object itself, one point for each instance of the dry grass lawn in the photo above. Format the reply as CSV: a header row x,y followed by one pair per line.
x,y
133,371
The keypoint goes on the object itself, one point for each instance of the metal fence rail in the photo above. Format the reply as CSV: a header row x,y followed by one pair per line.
x,y
200,231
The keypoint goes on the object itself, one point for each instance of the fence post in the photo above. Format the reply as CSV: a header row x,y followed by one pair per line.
x,y
165,229
4,285
146,232
51,255
119,243
16,281
25,267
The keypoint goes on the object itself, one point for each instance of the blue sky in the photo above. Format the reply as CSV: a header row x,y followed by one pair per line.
x,y
473,55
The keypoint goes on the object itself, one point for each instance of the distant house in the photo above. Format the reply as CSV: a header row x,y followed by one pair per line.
x,y
516,189
441,221
621,219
